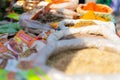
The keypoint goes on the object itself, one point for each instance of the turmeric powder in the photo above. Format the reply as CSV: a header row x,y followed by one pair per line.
x,y
90,15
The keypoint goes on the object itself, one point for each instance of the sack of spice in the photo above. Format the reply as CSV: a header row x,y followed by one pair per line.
x,y
98,8
56,46
62,45
91,15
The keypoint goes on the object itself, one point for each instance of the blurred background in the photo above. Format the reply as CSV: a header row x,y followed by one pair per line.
x,y
8,6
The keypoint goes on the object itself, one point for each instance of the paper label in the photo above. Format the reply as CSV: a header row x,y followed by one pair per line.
x,y
22,36
21,42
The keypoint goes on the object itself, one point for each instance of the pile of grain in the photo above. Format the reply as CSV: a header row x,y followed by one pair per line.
x,y
86,61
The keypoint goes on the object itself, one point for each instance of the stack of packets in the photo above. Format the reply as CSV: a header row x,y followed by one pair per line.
x,y
19,46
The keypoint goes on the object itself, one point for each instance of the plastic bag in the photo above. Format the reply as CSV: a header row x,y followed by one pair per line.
x,y
38,45
32,26
72,4
25,21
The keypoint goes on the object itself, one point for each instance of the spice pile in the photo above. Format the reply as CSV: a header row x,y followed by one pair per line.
x,y
93,6
99,8
83,24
